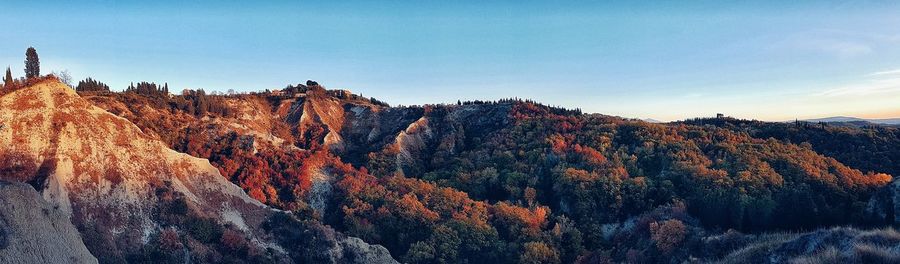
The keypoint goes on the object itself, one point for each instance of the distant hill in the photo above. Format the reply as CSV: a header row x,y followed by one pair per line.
x,y
855,120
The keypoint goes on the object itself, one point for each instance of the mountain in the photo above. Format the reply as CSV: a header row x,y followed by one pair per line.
x,y
651,120
855,120
506,181
134,199
836,119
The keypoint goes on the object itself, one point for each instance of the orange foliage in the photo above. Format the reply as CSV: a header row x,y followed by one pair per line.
x,y
875,179
529,221
590,155
577,175
411,208
557,143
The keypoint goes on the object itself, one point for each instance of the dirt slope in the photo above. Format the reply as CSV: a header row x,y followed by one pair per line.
x,y
31,231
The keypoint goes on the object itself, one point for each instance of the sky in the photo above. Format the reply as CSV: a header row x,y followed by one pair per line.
x,y
666,60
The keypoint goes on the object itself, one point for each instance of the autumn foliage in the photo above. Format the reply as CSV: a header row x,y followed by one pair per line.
x,y
518,181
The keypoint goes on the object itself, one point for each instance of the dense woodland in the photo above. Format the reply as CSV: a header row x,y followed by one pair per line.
x,y
867,148
547,185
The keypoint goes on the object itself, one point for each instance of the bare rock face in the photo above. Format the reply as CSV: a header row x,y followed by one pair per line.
x,y
31,231
361,252
406,136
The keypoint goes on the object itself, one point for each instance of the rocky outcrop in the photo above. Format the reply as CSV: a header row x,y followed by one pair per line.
x,y
356,251
409,136
32,231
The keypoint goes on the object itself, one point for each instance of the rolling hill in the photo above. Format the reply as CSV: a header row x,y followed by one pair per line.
x,y
311,175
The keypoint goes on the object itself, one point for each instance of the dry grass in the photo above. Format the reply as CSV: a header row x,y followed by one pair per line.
x,y
865,253
827,256
884,236
853,246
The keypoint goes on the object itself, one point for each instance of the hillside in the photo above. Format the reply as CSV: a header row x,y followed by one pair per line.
x,y
867,148
513,177
134,199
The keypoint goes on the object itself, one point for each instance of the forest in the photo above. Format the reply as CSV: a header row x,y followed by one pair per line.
x,y
522,182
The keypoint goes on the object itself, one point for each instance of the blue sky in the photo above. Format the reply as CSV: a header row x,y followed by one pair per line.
x,y
666,60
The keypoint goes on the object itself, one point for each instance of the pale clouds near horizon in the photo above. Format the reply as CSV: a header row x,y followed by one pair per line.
x,y
881,82
887,72
873,95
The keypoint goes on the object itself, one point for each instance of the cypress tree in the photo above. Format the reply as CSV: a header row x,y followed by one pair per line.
x,y
32,64
8,80
91,85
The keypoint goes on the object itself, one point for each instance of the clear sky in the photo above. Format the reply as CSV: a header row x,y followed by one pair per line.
x,y
666,60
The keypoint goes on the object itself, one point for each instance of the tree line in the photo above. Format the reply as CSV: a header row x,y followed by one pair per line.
x,y
32,73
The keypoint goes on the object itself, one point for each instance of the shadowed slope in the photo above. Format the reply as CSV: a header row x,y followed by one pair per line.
x,y
31,231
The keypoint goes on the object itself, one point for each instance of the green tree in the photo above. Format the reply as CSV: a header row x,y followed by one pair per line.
x,y
538,252
8,80
91,85
32,64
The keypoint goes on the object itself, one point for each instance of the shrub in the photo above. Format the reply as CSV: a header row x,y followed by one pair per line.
x,y
17,166
204,230
667,234
169,240
234,241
